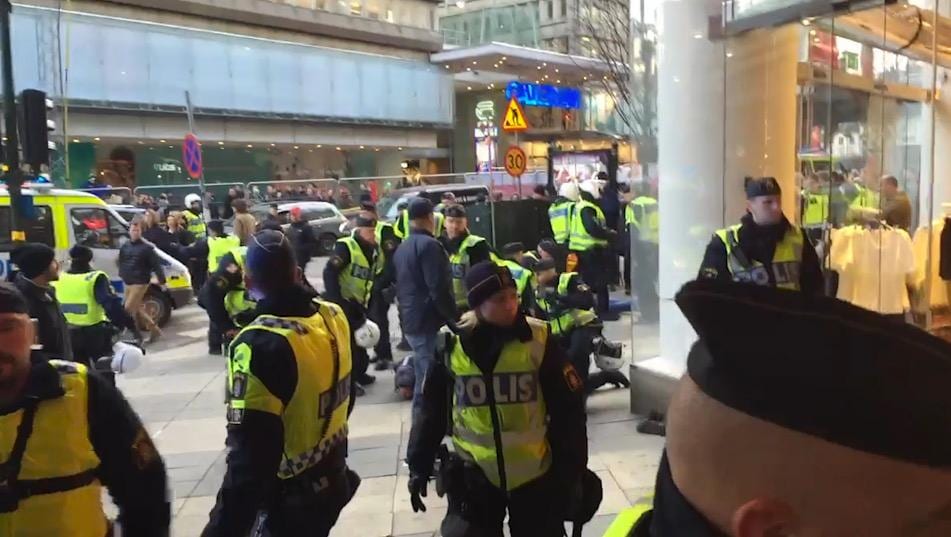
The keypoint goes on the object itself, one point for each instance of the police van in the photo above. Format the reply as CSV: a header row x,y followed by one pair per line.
x,y
63,218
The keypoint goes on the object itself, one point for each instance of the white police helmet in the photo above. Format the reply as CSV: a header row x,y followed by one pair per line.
x,y
367,335
126,358
192,198
593,187
608,355
569,190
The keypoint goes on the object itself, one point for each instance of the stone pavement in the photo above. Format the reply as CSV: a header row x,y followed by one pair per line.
x,y
179,393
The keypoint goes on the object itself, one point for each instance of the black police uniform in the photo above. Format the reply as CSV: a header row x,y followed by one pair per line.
x,y
593,264
256,442
130,467
93,342
538,507
356,313
383,294
227,277
759,244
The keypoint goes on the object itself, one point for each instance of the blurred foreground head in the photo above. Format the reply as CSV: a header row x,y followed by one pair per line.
x,y
271,265
803,416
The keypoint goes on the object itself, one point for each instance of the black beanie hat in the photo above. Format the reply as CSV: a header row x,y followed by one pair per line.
x,y
485,279
218,226
32,259
80,254
761,186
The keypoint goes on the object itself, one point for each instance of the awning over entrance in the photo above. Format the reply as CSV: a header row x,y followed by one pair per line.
x,y
492,65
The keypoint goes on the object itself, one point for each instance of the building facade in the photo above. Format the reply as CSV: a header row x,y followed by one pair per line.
x,y
280,90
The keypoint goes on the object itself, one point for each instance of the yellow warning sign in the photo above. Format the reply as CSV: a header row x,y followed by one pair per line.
x,y
514,117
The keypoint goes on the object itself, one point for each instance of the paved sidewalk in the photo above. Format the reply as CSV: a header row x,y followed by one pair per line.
x,y
179,393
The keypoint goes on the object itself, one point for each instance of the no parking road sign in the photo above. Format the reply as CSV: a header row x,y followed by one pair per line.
x,y
191,156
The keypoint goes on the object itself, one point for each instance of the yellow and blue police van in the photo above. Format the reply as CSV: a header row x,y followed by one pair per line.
x,y
63,218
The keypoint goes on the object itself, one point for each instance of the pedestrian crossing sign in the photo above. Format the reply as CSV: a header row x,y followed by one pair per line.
x,y
514,117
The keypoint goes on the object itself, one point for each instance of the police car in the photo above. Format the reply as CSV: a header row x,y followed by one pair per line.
x,y
62,218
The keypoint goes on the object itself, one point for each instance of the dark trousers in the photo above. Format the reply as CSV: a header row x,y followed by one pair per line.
x,y
628,262
645,280
535,509
579,343
595,272
379,313
91,342
198,268
215,337
310,515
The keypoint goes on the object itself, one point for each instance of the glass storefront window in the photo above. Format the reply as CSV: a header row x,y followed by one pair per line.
x,y
843,110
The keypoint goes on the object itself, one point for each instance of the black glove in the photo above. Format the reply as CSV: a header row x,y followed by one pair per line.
x,y
417,488
389,294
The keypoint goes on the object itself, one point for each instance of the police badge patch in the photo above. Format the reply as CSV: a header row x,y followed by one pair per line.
x,y
572,378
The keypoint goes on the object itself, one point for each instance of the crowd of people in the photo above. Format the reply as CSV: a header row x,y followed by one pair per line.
x,y
767,434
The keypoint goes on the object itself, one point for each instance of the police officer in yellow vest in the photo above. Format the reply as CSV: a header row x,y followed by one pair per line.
x,y
814,208
194,222
590,239
643,226
214,248
226,299
753,449
383,293
764,248
289,400
464,249
561,210
92,308
516,409
348,280
402,227
65,434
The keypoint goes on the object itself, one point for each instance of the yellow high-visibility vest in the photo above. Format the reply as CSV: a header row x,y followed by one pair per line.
x,y
561,320
816,210
559,215
218,247
649,229
459,265
787,259
315,419
76,294
625,522
580,240
194,224
356,281
514,394
59,490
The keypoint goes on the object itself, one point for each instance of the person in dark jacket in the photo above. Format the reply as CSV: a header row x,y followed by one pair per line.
x,y
109,448
423,289
273,220
302,239
93,341
181,237
38,268
137,263
287,469
160,237
536,464
761,238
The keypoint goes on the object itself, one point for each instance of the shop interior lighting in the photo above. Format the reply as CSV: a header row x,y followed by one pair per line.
x,y
469,88
140,142
338,148
250,146
319,146
96,138
296,147
399,148
221,143
698,35
75,140
272,145
161,141
361,147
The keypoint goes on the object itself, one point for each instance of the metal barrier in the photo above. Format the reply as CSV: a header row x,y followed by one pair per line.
x,y
175,195
113,195
289,190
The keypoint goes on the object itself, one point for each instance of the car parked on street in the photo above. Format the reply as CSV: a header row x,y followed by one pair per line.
x,y
325,218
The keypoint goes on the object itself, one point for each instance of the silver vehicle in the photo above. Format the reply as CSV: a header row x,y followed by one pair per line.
x,y
325,218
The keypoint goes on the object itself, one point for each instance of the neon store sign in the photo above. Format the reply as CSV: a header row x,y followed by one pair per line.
x,y
544,95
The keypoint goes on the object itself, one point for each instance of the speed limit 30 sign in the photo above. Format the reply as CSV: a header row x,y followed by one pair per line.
x,y
515,161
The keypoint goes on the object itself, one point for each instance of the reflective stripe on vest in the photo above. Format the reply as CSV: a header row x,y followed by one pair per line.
x,y
440,224
458,266
315,419
356,280
218,247
560,320
76,294
519,408
57,484
786,262
816,210
559,215
194,224
625,522
401,225
238,301
648,230
579,239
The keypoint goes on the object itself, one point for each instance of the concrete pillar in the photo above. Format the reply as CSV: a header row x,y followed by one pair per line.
x,y
726,109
